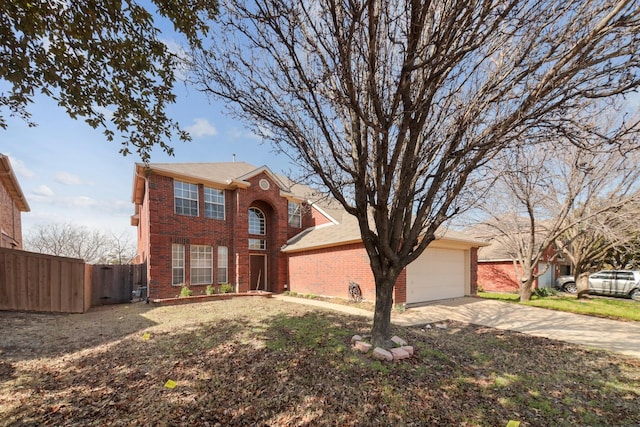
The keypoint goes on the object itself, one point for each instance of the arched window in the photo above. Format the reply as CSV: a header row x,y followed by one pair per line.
x,y
257,225
256,222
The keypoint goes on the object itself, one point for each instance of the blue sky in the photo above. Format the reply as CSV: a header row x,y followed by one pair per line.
x,y
70,173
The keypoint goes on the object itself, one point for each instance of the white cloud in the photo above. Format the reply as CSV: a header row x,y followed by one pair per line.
x,y
238,134
43,190
201,127
20,169
79,201
107,113
184,59
67,178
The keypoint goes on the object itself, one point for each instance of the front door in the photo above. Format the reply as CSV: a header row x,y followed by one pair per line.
x,y
258,274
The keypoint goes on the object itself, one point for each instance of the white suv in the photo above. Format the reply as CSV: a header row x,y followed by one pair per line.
x,y
619,283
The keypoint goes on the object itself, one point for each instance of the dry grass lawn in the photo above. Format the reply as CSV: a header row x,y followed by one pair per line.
x,y
257,361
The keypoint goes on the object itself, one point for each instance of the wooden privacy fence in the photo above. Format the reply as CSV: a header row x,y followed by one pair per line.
x,y
114,284
37,282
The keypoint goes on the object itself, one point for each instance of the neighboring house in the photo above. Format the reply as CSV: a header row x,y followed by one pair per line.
x,y
497,270
214,223
12,204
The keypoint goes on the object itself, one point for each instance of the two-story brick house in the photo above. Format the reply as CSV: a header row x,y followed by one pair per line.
x,y
12,204
212,223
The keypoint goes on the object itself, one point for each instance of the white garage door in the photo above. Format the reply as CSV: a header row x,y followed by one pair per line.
x,y
437,274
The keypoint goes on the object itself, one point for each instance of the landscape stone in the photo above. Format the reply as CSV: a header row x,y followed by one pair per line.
x,y
399,353
356,338
382,354
396,339
441,326
363,347
408,349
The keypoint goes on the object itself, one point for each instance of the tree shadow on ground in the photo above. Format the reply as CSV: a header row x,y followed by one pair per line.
x,y
298,368
27,335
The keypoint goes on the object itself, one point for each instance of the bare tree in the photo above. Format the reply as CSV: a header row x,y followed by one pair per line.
x,y
586,243
396,106
73,241
627,255
549,193
121,249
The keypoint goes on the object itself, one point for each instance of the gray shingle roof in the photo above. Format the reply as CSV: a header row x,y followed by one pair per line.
x,y
225,173
347,231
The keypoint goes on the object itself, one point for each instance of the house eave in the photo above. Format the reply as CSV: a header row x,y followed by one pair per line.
x,y
10,182
143,171
321,246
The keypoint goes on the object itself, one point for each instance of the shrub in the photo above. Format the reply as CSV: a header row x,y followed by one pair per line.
x,y
545,292
185,292
226,288
210,290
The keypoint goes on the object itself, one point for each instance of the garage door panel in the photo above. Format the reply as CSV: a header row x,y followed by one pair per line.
x,y
437,274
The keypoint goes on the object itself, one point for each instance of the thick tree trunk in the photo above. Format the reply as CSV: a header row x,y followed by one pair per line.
x,y
526,288
381,330
582,283
526,284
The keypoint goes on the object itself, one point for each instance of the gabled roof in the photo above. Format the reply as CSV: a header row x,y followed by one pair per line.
x,y
226,175
347,231
496,251
10,182
326,235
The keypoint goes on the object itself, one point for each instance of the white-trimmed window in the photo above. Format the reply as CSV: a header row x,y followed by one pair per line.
x,y
223,264
201,265
295,216
257,223
213,203
257,244
177,264
185,198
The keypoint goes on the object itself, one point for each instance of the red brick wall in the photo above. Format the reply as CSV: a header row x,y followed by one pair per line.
x,y
10,221
497,276
318,218
165,227
328,272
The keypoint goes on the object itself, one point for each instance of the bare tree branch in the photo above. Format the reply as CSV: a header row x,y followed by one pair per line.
x,y
397,107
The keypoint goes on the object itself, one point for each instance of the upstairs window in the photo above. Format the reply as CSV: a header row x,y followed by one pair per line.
x,y
213,203
257,244
295,217
257,224
185,198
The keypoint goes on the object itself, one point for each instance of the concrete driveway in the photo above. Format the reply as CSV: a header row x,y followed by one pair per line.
x,y
589,331
592,332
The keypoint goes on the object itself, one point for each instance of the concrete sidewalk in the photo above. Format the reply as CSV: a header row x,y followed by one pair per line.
x,y
589,331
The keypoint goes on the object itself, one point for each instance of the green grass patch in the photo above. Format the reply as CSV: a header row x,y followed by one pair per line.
x,y
500,296
611,308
